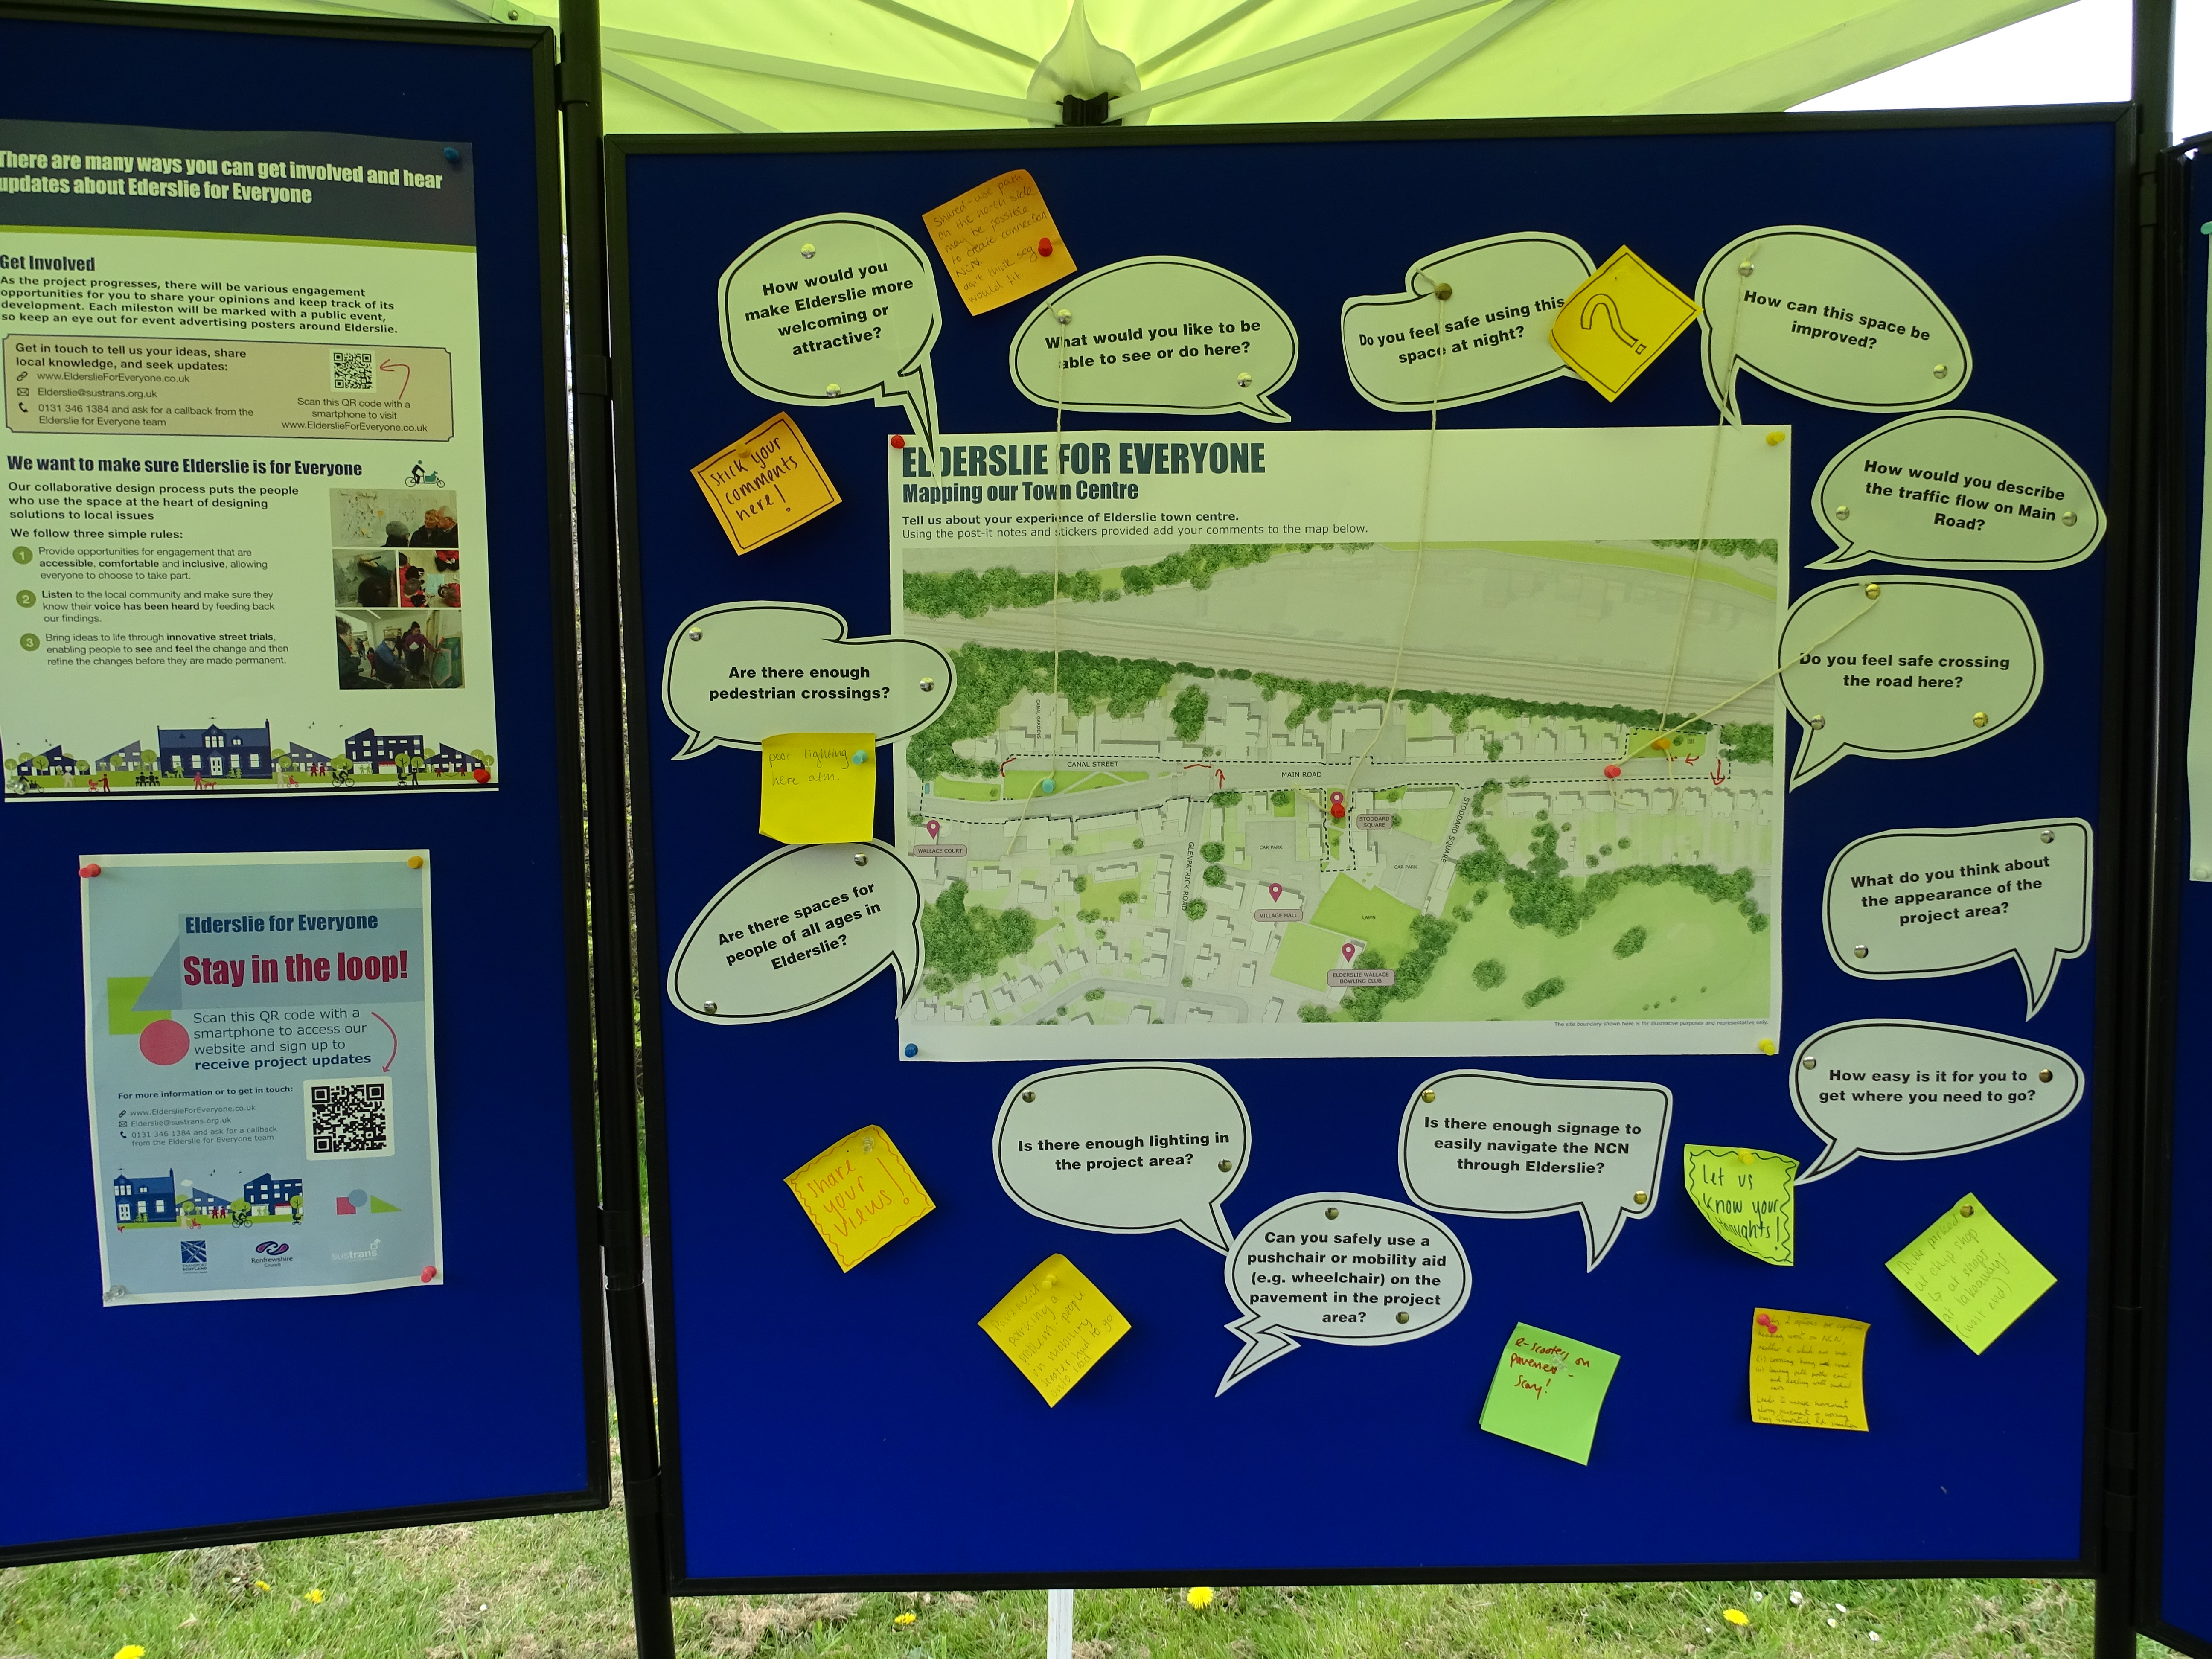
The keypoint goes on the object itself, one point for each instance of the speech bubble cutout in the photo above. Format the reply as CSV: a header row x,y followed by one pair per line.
x,y
834,310
1922,904
1828,317
1493,1144
1338,1267
1413,350
1907,1089
797,931
1967,491
727,667
1156,336
1125,1149
1927,666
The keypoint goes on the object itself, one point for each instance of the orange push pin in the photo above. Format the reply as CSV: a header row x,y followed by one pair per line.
x,y
88,870
1044,248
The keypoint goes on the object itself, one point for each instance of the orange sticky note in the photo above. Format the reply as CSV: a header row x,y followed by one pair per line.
x,y
860,1195
1053,1326
1614,326
765,483
998,241
1808,1369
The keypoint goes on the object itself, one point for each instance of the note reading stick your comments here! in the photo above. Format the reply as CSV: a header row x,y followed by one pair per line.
x,y
767,482
860,1195
1808,1369
819,786
1055,1326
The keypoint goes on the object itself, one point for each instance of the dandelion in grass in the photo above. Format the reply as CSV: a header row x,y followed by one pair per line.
x,y
1736,1616
261,1586
133,1652
903,1618
1200,1597
316,1596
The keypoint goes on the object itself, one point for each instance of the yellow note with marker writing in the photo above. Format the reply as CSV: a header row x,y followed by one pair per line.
x,y
860,1195
1053,1326
999,242
819,786
1971,1273
1749,1197
765,483
1808,1371
1614,326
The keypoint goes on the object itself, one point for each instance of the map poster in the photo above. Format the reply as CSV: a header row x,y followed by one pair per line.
x,y
244,520
260,1072
1337,743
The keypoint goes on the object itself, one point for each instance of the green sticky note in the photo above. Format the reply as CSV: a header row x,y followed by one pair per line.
x,y
1548,1391
1750,1197
1971,1273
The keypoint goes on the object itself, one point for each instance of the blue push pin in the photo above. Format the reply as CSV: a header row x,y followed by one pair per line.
x,y
452,155
859,757
912,1049
1045,788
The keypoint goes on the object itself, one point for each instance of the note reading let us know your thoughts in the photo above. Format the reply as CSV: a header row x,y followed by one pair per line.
x,y
1547,1392
999,242
860,1195
1055,1325
819,786
767,482
1749,1197
1971,1273
1808,1369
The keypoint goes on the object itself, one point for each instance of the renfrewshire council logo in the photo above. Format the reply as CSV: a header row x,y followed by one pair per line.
x,y
270,1253
192,1256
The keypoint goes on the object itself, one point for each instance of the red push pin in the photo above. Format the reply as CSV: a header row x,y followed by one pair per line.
x,y
1044,248
482,775
898,441
1336,803
428,1273
88,870
1612,771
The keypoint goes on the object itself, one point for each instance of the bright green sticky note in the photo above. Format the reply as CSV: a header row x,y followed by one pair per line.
x,y
124,1020
1971,1273
1548,1391
1750,1197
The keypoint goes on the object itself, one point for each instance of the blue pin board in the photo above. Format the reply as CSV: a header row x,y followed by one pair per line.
x,y
899,1444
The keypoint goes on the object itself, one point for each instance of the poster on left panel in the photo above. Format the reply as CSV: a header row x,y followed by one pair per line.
x,y
243,456
260,1074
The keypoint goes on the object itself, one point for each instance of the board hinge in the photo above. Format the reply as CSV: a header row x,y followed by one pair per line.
x,y
594,376
576,82
2120,1451
642,1495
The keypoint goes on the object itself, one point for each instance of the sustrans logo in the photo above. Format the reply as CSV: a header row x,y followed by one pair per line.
x,y
270,1247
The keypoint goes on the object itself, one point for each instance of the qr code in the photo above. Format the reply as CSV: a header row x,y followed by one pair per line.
x,y
353,371
349,1120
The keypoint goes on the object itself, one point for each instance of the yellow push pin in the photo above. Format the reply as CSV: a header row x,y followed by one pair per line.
x,y
1642,1199
1873,590
1663,744
1980,719
414,860
1743,1155
1766,1047
1774,438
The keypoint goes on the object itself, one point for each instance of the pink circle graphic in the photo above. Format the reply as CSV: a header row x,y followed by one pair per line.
x,y
165,1042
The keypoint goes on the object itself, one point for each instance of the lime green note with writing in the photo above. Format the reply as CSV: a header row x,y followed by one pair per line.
x,y
1971,1273
1750,1197
1547,1392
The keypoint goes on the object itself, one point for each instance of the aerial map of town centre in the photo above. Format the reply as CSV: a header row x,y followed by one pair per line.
x,y
1175,806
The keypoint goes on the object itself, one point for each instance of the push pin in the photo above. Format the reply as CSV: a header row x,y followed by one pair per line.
x,y
898,440
1816,721
710,1007
88,870
1965,1209
1663,744
1774,438
1942,369
1403,1317
1052,1281
452,155
1224,1166
1766,1046
1840,511
2069,517
1444,290
859,757
806,250
928,685
859,858
1743,1156
1045,788
1873,590
1044,248
834,388
911,1050
867,1143
1612,771
2046,834
1641,1199
1858,950
1330,1213
1980,719
2044,1075
1243,379
1806,1062
1744,269
414,860
1029,1095
1429,1095
695,636
1064,315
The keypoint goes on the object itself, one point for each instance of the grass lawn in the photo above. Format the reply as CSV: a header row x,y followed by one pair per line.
x,y
558,1587
1381,920
1021,785
1307,954
1698,961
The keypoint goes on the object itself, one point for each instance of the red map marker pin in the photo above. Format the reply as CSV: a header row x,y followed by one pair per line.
x,y
1612,771
1336,803
1275,890
931,826
1349,949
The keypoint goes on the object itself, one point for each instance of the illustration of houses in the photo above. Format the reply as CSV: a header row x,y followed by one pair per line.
x,y
366,749
52,764
204,1203
267,1195
146,1198
128,758
449,759
216,751
301,758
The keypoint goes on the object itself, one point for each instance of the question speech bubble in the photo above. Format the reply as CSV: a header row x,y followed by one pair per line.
x,y
1919,666
1922,904
1831,317
1908,1089
834,310
1340,1267
1967,491
1493,1144
734,675
1159,335
797,931
1411,350
1125,1149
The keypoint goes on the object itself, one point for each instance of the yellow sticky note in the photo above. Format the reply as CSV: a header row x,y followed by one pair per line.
x,y
1614,326
998,241
1053,1326
1750,1198
1808,1369
765,483
819,786
1971,1273
860,1195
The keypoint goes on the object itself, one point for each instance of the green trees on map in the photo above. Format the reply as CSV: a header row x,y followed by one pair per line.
x,y
1215,876
1430,936
1544,992
1735,547
1214,852
1188,714
1489,974
1195,909
970,593
1630,943
960,944
1751,745
1543,896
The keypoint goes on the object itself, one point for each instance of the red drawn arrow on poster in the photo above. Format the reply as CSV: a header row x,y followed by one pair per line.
x,y
1719,774
386,1024
407,369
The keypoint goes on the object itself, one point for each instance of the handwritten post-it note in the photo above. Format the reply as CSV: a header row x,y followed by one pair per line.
x,y
1548,1391
999,242
1055,1325
765,483
1971,1273
1614,326
1808,1369
860,1195
1750,1198
819,786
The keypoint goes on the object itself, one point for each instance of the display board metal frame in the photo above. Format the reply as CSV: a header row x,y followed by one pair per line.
x,y
2129,687
558,862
